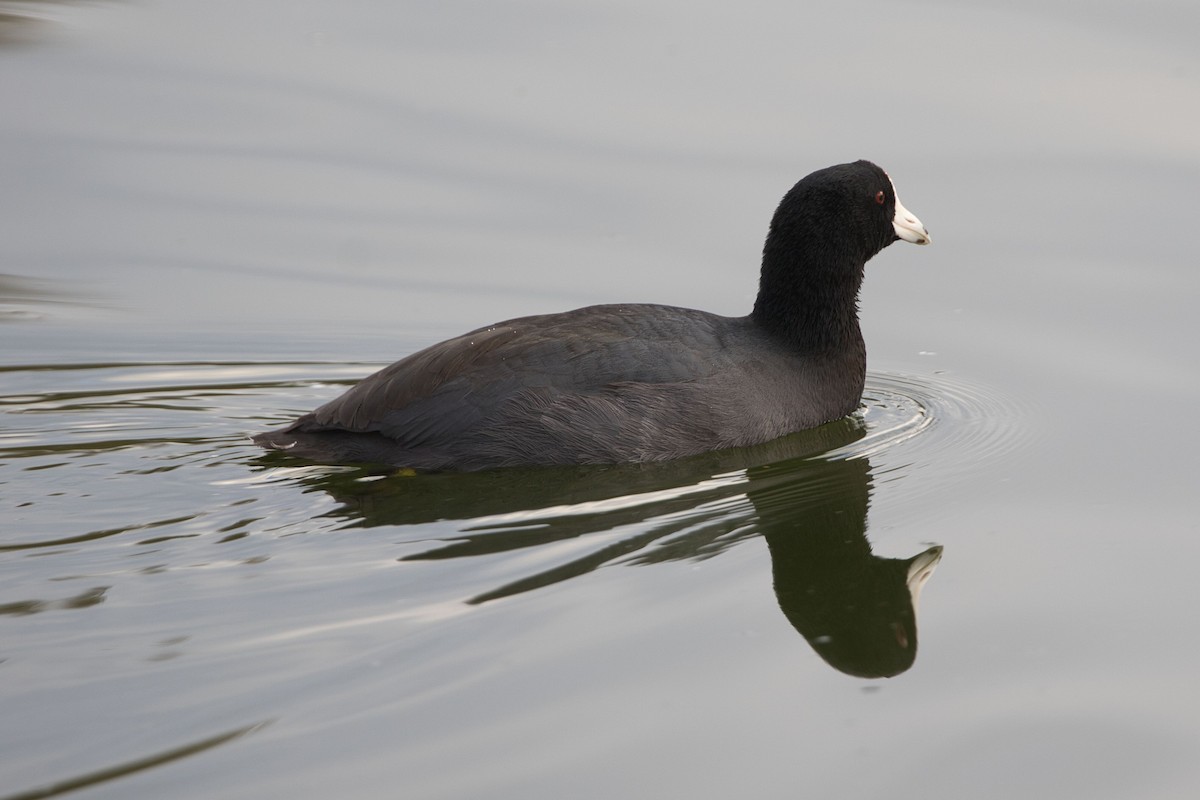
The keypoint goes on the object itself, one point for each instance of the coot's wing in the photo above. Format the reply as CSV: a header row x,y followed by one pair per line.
x,y
413,382
452,386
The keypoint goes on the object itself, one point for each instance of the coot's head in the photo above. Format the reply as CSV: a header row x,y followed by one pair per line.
x,y
850,211
823,232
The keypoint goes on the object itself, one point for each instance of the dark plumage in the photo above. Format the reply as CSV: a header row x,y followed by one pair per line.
x,y
622,383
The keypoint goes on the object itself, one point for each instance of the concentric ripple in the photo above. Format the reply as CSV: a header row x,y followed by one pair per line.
x,y
951,419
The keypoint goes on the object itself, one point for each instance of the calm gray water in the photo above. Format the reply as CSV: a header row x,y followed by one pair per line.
x,y
216,215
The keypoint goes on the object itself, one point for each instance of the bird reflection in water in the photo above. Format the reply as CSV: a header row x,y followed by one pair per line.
x,y
857,610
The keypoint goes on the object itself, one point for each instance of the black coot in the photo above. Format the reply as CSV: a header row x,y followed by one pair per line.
x,y
624,383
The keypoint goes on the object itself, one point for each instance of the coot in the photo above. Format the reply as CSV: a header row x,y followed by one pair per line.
x,y
629,383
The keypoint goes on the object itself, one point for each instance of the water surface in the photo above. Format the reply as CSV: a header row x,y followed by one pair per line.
x,y
218,216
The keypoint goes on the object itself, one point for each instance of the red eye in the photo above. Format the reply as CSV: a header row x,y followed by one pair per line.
x,y
880,197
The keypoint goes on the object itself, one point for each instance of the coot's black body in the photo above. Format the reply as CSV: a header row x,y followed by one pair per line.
x,y
627,383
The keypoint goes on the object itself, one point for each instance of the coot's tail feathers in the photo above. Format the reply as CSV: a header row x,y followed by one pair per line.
x,y
337,447
274,440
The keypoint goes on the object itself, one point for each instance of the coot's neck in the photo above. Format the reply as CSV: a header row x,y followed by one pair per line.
x,y
808,293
